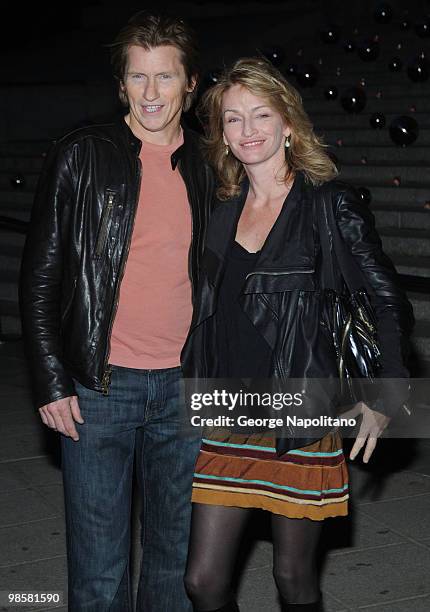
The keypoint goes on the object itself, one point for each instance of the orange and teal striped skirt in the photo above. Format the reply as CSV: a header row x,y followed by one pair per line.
x,y
244,471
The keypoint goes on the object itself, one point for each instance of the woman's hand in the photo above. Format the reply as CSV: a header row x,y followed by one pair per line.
x,y
372,425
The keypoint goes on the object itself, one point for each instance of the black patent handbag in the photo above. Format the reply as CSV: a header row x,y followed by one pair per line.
x,y
353,320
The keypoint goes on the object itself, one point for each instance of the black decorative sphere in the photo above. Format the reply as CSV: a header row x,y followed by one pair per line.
x,y
418,70
404,130
334,159
291,69
349,46
383,13
368,50
364,195
405,24
377,121
211,78
395,64
331,93
423,28
307,75
274,54
353,99
330,34
17,181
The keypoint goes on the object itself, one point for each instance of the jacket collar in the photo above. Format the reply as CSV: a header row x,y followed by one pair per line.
x,y
187,148
132,141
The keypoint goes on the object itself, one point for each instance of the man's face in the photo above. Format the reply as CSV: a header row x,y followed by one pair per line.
x,y
155,84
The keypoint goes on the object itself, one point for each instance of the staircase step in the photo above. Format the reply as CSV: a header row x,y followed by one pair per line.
x,y
23,197
406,89
398,105
388,84
8,176
389,155
405,241
421,305
379,68
8,290
384,173
10,318
16,212
10,257
10,248
421,340
9,308
417,193
401,216
340,119
21,164
367,136
28,148
15,239
412,264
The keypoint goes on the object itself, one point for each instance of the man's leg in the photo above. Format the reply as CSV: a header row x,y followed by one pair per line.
x,y
165,466
97,474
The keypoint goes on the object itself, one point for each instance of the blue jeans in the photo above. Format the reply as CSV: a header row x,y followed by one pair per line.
x,y
139,418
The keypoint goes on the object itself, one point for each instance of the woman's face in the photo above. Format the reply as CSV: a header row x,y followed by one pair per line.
x,y
253,130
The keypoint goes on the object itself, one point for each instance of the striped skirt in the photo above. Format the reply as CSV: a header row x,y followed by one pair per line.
x,y
244,471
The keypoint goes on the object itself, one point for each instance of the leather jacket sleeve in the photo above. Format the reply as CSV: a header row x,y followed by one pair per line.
x,y
393,310
41,280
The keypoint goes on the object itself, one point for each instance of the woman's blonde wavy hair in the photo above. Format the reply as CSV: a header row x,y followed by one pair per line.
x,y
260,77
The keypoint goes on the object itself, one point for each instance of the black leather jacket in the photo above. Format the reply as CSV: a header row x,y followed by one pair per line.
x,y
77,247
282,295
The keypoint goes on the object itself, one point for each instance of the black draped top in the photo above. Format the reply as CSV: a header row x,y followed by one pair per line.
x,y
242,350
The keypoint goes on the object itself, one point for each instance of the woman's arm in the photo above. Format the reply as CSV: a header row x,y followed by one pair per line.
x,y
393,310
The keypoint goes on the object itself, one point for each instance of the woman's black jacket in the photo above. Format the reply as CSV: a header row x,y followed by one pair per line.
x,y
282,295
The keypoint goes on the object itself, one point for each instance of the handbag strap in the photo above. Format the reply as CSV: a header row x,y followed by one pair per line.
x,y
328,275
329,233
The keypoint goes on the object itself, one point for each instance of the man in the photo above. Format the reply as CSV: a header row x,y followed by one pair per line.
x,y
109,267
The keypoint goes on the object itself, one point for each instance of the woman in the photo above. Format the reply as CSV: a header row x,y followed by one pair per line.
x,y
260,280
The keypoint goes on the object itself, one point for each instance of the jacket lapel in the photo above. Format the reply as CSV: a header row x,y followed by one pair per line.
x,y
287,259
221,231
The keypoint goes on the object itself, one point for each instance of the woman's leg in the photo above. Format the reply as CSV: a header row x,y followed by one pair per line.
x,y
216,533
294,560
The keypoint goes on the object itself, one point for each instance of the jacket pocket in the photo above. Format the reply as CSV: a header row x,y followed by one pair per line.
x,y
278,281
110,198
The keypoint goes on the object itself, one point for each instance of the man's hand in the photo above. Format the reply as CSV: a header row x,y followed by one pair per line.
x,y
61,416
372,425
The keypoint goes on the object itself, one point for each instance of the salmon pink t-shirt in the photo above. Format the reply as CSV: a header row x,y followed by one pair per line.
x,y
154,310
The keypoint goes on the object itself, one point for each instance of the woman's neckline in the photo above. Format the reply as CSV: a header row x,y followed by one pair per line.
x,y
242,248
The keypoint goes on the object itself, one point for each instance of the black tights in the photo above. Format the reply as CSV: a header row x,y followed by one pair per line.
x,y
216,534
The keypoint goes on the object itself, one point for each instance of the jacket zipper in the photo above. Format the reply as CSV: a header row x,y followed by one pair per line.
x,y
101,240
298,270
107,371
